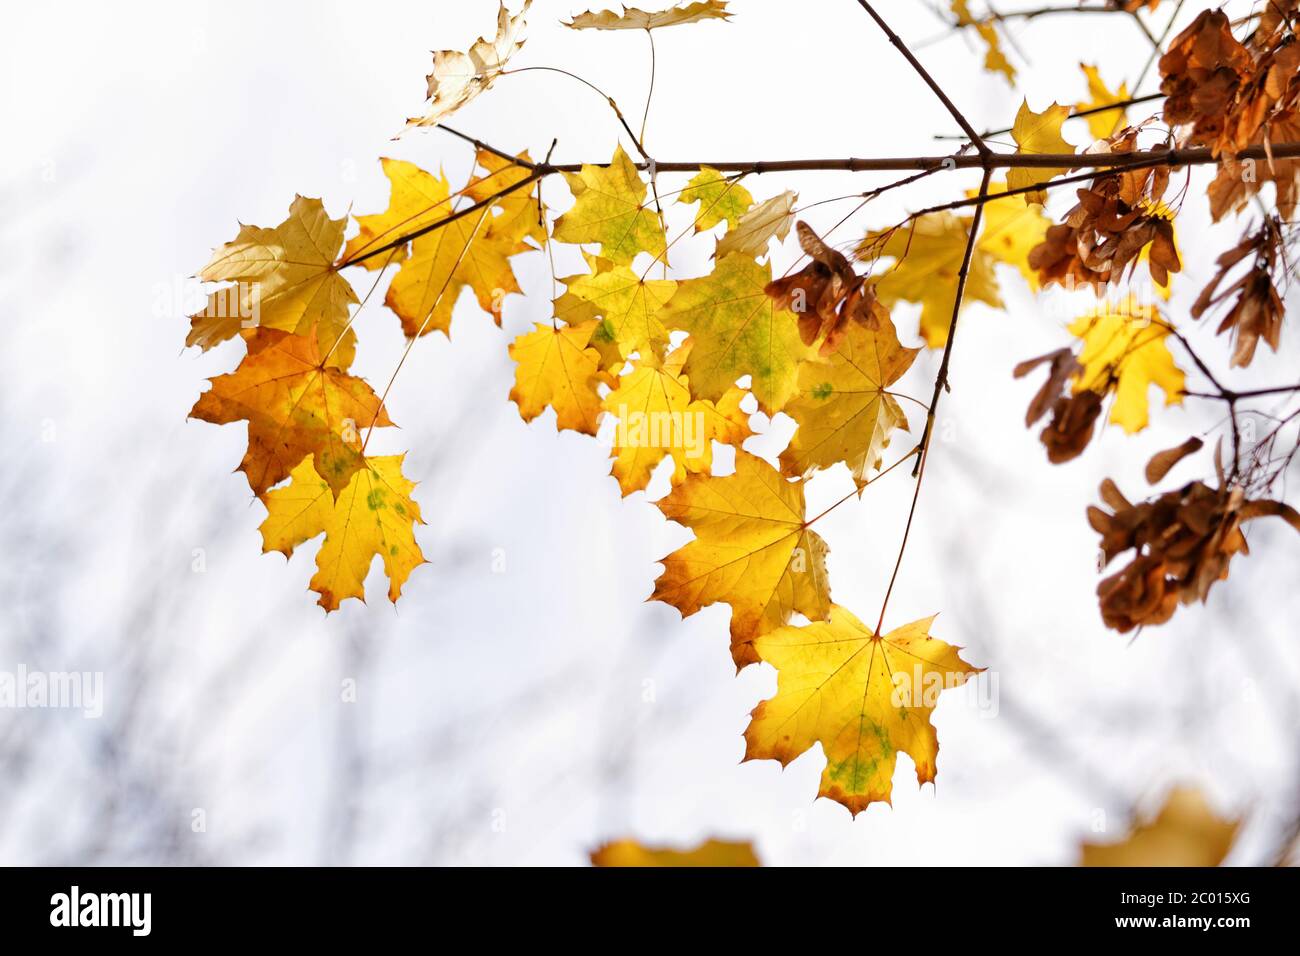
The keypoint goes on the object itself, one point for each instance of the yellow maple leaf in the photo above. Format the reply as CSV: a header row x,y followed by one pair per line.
x,y
1125,350
710,853
417,199
442,263
629,304
1011,229
633,18
1038,134
995,61
573,310
864,698
296,404
459,77
285,279
556,369
374,515
842,409
770,219
1186,832
609,208
752,550
1106,124
720,198
927,259
515,216
657,416
737,332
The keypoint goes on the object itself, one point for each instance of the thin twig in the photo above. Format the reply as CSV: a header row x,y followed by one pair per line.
x,y
924,74
538,172
940,385
1158,45
613,104
1074,114
651,92
1230,395
479,144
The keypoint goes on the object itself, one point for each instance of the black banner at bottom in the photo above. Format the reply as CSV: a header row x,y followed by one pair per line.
x,y
336,906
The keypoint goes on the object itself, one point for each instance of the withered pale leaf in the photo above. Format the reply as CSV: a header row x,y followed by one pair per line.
x,y
459,77
633,18
750,236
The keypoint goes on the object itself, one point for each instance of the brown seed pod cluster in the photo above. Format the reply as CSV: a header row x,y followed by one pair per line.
x,y
1118,215
1182,541
1230,95
826,294
1074,416
1257,310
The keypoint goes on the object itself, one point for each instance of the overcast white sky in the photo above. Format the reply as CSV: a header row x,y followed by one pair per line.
x,y
525,717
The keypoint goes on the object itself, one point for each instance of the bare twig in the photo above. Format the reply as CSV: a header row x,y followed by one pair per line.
x,y
1074,114
921,71
940,384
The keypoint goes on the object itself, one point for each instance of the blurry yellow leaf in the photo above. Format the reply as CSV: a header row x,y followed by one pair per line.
x,y
1185,833
928,254
709,853
1106,124
1125,349
1011,228
995,60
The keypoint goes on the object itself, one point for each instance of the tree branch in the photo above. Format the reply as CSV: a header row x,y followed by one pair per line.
x,y
1119,162
1196,156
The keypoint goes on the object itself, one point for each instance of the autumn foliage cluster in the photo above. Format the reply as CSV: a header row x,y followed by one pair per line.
x,y
629,341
